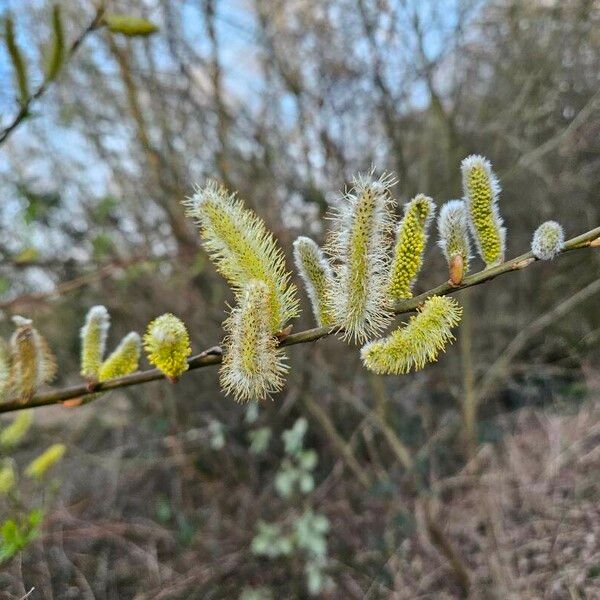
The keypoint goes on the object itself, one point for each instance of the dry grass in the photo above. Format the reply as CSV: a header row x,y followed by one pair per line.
x,y
523,517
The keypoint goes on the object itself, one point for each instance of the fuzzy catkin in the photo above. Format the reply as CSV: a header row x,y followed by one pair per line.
x,y
317,276
548,240
167,345
412,346
93,341
123,360
453,231
10,436
481,189
411,238
253,366
359,247
32,362
7,477
38,467
243,249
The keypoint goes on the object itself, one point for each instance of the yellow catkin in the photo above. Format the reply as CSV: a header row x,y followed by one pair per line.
x,y
418,342
167,345
411,237
243,249
317,276
123,360
10,436
253,366
7,477
38,467
481,189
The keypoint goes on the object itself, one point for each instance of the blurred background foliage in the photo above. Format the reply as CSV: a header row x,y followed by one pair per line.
x,y
177,492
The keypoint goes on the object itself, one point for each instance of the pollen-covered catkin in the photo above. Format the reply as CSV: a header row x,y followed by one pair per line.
x,y
454,240
32,362
10,436
253,366
167,345
359,247
317,276
40,465
411,237
7,477
123,360
548,240
481,189
412,346
243,249
93,341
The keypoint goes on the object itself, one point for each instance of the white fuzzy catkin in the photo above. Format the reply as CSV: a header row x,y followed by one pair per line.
x,y
32,361
253,365
453,229
359,247
454,242
548,240
93,340
317,276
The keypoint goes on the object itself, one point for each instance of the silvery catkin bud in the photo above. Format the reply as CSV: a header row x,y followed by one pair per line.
x,y
93,341
548,240
453,230
481,189
317,276
32,362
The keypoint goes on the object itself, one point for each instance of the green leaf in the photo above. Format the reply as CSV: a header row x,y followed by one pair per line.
x,y
128,25
56,56
102,245
9,531
16,58
308,459
307,483
259,439
284,482
292,438
35,517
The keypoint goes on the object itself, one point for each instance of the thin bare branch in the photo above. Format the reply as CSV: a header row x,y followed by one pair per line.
x,y
213,355
46,83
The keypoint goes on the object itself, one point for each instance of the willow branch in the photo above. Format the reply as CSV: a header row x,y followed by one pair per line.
x,y
46,83
212,356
